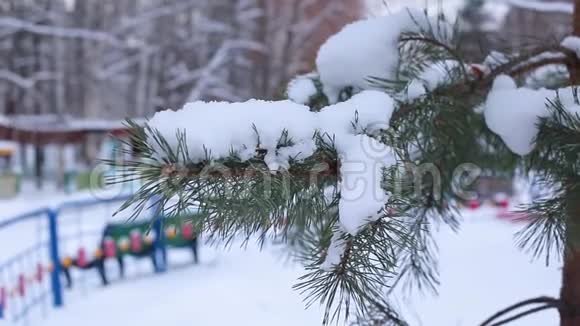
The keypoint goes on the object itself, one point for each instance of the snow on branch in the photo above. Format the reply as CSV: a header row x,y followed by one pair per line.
x,y
204,23
514,113
27,83
535,5
221,56
155,13
63,32
286,132
377,54
572,43
124,64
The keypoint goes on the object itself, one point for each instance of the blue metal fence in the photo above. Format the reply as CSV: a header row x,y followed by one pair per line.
x,y
33,289
12,268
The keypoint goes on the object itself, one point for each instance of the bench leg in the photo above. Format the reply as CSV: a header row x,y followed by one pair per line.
x,y
67,276
121,263
154,260
100,265
194,250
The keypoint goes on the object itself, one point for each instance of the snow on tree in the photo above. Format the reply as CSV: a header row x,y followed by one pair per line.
x,y
371,156
126,58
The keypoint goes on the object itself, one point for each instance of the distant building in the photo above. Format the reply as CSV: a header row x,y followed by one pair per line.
x,y
528,24
513,25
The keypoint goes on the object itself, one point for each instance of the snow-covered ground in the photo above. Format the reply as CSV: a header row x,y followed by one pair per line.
x,y
238,287
482,272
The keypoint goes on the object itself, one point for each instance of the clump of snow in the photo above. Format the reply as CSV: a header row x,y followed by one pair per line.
x,y
334,252
371,110
439,73
495,59
504,82
362,198
366,48
414,90
572,43
222,129
301,89
432,77
513,113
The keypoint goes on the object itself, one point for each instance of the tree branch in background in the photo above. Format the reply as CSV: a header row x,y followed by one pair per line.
x,y
27,83
62,32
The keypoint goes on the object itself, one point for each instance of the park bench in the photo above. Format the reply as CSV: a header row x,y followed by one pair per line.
x,y
135,239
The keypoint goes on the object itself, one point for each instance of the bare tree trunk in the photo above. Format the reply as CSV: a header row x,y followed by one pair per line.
x,y
576,18
570,292
574,67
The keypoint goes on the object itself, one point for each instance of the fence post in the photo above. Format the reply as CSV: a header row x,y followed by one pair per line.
x,y
3,295
55,258
159,249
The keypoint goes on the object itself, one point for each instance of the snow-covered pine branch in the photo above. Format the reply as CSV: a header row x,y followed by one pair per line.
x,y
372,121
286,139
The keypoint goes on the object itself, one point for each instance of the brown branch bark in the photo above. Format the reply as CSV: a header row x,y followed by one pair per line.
x,y
570,292
576,18
574,67
324,168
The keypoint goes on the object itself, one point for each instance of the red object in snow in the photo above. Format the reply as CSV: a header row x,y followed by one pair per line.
x,y
2,298
110,248
136,241
39,273
187,231
474,204
503,203
82,258
21,285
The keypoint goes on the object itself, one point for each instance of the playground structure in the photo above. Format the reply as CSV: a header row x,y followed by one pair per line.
x,y
70,243
135,239
59,150
9,180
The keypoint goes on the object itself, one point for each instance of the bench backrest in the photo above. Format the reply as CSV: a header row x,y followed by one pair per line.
x,y
178,232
